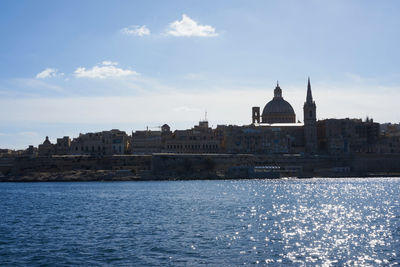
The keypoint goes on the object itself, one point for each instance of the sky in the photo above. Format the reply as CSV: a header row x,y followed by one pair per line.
x,y
70,67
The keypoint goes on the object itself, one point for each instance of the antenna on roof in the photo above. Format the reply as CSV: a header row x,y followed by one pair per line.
x,y
205,116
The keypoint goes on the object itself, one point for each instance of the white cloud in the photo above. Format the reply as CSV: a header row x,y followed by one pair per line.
x,y
136,30
48,73
189,27
109,63
107,69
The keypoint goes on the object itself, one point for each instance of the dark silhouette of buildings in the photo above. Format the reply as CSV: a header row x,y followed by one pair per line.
x,y
274,131
277,110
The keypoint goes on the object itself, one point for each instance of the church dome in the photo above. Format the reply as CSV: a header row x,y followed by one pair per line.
x,y
278,110
278,106
47,141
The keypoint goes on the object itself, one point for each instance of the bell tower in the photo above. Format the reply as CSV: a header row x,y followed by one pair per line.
x,y
255,115
310,122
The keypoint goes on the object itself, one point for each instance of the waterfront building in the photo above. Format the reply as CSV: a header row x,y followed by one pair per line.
x,y
389,145
200,139
31,151
63,146
347,136
88,144
46,148
148,141
7,153
390,129
251,139
101,143
145,142
119,141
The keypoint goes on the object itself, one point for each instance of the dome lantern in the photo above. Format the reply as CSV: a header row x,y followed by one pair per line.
x,y
277,91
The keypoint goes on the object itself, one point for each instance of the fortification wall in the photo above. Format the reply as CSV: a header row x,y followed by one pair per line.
x,y
386,164
198,166
27,165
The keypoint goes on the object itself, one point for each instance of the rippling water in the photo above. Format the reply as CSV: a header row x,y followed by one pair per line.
x,y
296,222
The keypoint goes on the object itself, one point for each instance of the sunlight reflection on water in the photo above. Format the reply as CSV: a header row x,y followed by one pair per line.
x,y
296,222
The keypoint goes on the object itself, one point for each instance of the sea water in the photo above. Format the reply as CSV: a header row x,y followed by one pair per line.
x,y
222,223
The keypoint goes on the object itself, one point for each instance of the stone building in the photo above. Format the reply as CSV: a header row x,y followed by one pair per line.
x,y
88,144
101,143
147,142
389,145
46,149
118,142
31,151
389,141
7,153
256,140
346,136
63,146
200,139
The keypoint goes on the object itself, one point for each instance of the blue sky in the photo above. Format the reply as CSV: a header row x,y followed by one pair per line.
x,y
77,66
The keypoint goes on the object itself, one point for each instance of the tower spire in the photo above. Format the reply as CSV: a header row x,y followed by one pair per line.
x,y
310,122
309,94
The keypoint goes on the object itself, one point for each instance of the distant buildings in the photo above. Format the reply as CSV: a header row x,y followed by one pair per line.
x,y
199,139
345,136
102,143
274,131
47,148
96,144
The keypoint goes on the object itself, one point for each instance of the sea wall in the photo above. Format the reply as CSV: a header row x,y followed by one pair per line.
x,y
203,164
377,165
25,166
191,166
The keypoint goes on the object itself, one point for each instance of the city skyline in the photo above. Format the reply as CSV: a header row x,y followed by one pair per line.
x,y
71,67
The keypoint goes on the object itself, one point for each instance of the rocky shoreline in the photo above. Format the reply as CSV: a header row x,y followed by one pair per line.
x,y
105,175
126,175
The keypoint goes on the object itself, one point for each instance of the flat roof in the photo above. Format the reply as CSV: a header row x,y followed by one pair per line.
x,y
297,124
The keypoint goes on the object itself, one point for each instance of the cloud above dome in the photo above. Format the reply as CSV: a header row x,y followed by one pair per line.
x,y
188,27
107,69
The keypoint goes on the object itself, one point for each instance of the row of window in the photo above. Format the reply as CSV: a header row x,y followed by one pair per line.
x,y
99,148
196,146
184,137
